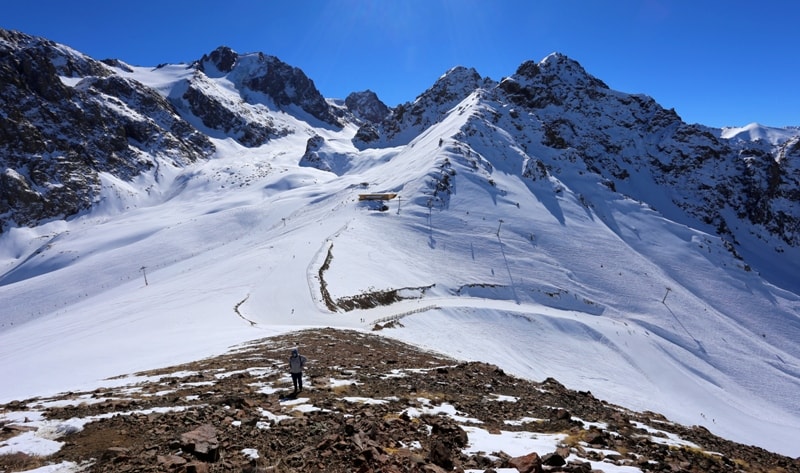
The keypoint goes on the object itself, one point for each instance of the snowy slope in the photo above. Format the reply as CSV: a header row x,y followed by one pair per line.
x,y
754,131
543,276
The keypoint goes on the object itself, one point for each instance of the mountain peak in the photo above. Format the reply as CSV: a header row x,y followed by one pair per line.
x,y
458,82
409,119
558,65
222,59
367,106
458,73
453,86
257,72
755,131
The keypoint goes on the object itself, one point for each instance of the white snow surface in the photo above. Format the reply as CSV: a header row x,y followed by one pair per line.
x,y
754,131
611,297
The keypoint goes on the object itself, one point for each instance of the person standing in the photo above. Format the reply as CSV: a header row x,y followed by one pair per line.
x,y
296,364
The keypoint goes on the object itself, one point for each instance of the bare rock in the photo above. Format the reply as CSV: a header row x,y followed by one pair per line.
x,y
202,442
530,463
553,459
171,461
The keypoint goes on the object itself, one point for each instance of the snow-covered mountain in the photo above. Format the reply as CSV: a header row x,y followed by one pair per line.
x,y
755,132
542,222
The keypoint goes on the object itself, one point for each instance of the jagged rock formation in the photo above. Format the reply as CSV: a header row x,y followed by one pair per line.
x,y
559,118
311,156
370,404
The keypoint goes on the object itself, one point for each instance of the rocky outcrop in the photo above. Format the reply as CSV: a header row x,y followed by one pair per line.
x,y
221,60
556,80
311,156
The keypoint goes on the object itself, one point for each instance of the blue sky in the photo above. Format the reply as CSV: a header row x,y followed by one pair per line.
x,y
719,63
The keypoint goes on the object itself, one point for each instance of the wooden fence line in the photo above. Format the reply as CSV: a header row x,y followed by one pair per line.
x,y
404,314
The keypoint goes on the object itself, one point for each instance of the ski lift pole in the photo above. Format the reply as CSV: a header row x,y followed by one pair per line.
x,y
430,215
144,273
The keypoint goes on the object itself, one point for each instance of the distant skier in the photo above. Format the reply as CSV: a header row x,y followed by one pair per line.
x,y
296,364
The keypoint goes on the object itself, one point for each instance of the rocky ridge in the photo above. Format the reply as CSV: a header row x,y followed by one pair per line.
x,y
370,404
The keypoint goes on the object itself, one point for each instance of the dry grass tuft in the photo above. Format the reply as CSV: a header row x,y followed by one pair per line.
x,y
341,389
20,462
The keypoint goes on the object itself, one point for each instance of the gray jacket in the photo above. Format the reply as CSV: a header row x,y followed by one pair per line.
x,y
296,363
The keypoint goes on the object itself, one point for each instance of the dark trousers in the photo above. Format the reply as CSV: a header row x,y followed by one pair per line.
x,y
297,380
